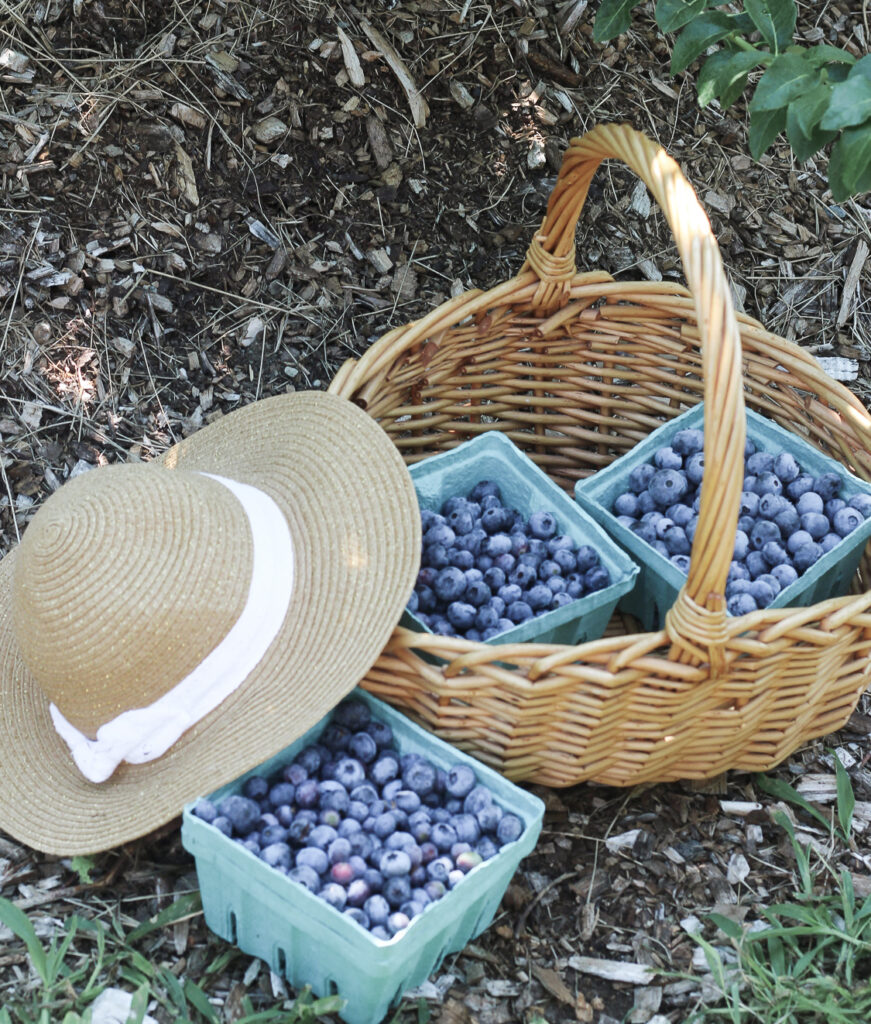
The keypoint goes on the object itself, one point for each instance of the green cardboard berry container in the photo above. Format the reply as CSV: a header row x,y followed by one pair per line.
x,y
493,456
660,580
305,940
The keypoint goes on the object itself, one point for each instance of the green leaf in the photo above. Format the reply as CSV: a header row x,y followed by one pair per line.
x,y
811,105
775,19
804,144
184,906
846,798
765,126
850,163
727,926
83,866
824,54
862,67
18,922
724,75
788,76
674,14
613,18
200,1001
695,38
782,790
850,103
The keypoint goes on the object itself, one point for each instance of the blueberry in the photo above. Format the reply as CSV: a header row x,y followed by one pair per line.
x,y
587,557
381,733
846,520
667,458
334,894
393,863
784,574
350,773
335,737
768,483
486,847
483,489
509,829
645,531
862,502
741,547
748,504
222,824
440,534
241,812
597,578
397,889
688,441
832,507
461,615
667,487
749,448
774,553
556,584
439,869
510,593
815,524
806,555
759,463
682,562
738,587
321,836
353,714
466,827
772,504
626,504
277,854
366,793
358,892
787,521
695,468
737,571
460,780
828,485
519,611
676,542
495,578
829,541
450,584
496,520
797,487
786,467
756,563
377,909
646,502
420,777
476,799
357,915
206,810
256,788
461,521
740,604
762,593
640,477
489,817
679,514
460,558
810,501
539,597
542,525
523,576
272,834
772,582
763,532
749,483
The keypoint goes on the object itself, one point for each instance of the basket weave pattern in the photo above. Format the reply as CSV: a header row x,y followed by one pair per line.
x,y
577,368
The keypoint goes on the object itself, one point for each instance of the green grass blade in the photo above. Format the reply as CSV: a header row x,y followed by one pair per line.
x,y
846,799
200,1001
19,923
184,906
783,791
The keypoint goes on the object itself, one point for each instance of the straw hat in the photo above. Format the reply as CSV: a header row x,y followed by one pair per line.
x,y
165,627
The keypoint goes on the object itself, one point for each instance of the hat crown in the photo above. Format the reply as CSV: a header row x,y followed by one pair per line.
x,y
125,580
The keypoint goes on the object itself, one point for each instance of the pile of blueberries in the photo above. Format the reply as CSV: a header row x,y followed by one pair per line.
x,y
788,519
485,568
377,834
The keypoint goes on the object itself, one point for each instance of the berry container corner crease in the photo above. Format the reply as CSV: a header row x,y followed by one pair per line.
x,y
302,938
660,580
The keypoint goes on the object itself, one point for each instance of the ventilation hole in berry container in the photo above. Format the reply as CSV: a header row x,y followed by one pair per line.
x,y
281,962
233,932
332,988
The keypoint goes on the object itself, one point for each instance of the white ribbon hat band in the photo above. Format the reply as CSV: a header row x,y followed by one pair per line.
x,y
144,734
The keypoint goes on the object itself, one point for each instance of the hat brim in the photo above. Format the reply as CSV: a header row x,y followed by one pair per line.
x,y
354,520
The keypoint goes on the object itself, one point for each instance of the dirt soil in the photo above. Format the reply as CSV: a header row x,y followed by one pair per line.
x,y
206,203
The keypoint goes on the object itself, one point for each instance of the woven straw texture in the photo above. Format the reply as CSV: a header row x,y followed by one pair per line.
x,y
576,369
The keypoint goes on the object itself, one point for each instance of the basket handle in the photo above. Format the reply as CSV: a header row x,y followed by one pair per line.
x,y
697,621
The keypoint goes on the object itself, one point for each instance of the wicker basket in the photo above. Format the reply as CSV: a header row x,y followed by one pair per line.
x,y
576,368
